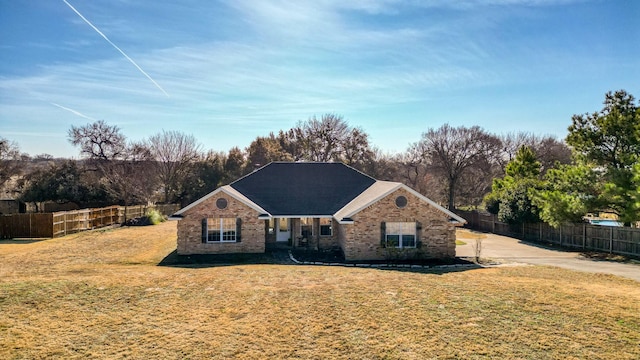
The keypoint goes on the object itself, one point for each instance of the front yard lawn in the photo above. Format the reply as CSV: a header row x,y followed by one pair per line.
x,y
102,294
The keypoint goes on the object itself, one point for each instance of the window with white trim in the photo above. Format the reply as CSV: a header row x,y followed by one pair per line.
x,y
400,234
221,230
326,227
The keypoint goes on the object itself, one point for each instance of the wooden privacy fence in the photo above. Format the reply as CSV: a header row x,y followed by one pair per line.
x,y
31,225
68,222
611,239
61,223
131,212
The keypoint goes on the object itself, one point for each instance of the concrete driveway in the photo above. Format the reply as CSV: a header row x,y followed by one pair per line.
x,y
506,249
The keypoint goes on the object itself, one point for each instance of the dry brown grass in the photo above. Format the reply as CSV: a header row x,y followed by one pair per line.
x,y
99,294
469,235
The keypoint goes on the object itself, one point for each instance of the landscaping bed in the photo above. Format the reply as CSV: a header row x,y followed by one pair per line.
x,y
336,256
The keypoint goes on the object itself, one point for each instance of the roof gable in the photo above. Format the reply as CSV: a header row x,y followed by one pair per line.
x,y
371,195
290,189
226,190
381,189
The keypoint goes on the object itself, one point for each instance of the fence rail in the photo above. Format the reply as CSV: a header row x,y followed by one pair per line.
x,y
611,239
49,225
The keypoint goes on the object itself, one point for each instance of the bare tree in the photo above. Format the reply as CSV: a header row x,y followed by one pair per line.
x,y
323,139
453,151
383,166
9,160
119,167
126,178
548,149
414,166
98,140
327,139
291,141
356,151
510,143
476,182
174,154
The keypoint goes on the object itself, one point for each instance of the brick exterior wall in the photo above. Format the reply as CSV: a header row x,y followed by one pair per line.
x,y
362,239
317,241
190,228
359,241
326,242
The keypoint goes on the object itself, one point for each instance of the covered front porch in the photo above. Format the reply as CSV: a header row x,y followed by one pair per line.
x,y
309,232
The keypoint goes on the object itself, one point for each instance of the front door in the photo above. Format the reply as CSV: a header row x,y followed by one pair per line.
x,y
283,229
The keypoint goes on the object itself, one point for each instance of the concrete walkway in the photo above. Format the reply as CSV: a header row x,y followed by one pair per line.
x,y
506,249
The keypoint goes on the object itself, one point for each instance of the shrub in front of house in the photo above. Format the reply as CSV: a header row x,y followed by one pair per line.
x,y
153,217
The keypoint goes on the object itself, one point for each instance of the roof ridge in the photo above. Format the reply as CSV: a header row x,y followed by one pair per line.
x,y
304,162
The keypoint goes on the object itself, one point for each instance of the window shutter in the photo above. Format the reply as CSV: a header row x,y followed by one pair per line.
x,y
418,234
204,230
238,229
383,234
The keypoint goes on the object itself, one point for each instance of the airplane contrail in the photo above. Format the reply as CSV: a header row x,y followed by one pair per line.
x,y
116,47
74,112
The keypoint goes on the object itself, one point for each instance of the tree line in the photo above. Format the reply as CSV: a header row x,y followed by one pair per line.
x,y
519,176
603,174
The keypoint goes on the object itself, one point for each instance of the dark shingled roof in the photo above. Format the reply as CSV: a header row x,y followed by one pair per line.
x,y
296,189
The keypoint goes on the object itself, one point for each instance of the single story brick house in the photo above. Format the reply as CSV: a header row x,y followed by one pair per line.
x,y
319,206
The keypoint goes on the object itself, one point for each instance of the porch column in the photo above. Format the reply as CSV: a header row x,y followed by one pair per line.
x,y
316,232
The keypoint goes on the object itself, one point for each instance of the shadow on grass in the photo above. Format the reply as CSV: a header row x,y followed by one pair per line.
x,y
311,258
213,260
435,270
21,241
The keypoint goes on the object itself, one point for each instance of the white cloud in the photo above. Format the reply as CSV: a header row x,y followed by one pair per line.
x,y
268,82
271,63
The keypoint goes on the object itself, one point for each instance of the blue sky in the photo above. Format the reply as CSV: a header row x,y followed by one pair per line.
x,y
237,69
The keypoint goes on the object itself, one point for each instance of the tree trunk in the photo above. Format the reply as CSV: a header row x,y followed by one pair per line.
x,y
166,194
126,203
452,194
